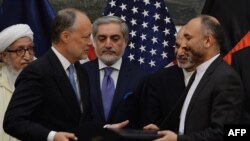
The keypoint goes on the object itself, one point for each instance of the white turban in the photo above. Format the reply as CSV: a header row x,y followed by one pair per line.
x,y
12,33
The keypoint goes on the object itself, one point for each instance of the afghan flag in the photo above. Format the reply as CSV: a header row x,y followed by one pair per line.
x,y
234,16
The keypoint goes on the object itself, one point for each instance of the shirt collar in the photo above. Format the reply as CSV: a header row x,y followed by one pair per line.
x,y
203,67
116,65
65,63
187,75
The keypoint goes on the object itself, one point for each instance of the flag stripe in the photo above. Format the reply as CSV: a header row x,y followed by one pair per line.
x,y
243,43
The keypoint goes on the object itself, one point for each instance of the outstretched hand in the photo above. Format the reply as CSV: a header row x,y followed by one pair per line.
x,y
64,136
167,136
117,125
151,127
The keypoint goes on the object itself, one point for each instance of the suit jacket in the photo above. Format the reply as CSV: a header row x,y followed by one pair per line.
x,y
216,101
44,100
240,62
163,90
125,100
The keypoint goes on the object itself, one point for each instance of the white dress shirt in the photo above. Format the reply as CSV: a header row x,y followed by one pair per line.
x,y
65,63
187,76
115,73
201,69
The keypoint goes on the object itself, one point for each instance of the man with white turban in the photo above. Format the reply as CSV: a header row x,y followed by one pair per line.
x,y
16,51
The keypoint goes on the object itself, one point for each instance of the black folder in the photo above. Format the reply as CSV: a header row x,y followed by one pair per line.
x,y
137,134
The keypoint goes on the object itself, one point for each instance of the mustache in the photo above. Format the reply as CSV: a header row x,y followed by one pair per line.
x,y
182,57
108,50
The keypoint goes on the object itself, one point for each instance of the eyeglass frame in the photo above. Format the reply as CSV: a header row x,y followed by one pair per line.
x,y
21,51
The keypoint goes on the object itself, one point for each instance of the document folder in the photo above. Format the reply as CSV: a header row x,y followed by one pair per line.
x,y
137,134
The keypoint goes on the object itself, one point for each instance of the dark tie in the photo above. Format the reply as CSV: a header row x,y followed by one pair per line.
x,y
190,82
108,89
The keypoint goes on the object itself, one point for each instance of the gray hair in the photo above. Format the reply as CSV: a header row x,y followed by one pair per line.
x,y
64,20
111,19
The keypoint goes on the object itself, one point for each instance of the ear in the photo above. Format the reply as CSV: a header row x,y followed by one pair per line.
x,y
125,43
208,41
4,57
65,36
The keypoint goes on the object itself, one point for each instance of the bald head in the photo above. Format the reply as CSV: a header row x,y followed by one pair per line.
x,y
180,32
204,36
210,26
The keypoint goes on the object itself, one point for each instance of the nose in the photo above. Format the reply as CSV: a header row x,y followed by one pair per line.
x,y
108,43
179,51
27,55
90,42
176,50
184,44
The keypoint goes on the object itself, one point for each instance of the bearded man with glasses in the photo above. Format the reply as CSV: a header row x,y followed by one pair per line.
x,y
16,51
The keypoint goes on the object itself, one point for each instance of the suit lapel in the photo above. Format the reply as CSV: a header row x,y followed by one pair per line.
x,y
96,90
61,79
205,78
171,121
120,90
83,87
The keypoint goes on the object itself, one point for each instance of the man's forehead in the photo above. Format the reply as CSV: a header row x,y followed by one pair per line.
x,y
109,30
194,24
192,30
109,27
108,35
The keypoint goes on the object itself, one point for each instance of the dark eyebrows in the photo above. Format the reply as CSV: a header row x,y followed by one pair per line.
x,y
177,45
101,36
187,36
115,36
112,36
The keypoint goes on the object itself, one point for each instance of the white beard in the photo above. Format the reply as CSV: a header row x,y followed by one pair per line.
x,y
12,76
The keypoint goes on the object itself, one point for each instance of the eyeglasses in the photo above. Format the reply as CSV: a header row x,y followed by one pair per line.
x,y
22,51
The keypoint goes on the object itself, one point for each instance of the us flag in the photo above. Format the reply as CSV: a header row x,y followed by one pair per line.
x,y
152,32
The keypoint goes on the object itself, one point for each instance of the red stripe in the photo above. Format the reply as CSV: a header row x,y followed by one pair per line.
x,y
91,53
244,42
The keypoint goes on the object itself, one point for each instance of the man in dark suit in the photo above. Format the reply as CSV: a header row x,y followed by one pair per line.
x,y
240,62
45,104
214,98
120,101
165,87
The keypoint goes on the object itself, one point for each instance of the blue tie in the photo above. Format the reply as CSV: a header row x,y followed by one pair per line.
x,y
108,89
72,78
